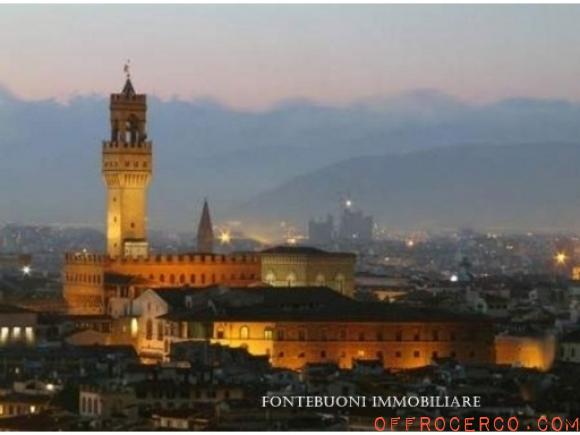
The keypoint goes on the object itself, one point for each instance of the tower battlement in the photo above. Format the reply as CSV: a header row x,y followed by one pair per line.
x,y
162,259
118,146
131,98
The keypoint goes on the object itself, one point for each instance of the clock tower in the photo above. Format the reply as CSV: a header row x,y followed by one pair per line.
x,y
126,168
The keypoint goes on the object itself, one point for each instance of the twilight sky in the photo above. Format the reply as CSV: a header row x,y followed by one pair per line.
x,y
254,56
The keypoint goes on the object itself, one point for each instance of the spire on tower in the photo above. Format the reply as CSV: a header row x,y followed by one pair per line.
x,y
205,231
128,89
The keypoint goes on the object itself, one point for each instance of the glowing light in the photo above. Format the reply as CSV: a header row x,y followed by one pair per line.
x,y
225,237
26,270
410,243
29,334
50,387
454,278
348,203
291,240
561,258
4,332
32,409
134,327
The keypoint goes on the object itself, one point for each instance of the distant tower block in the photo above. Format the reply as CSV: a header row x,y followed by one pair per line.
x,y
205,231
126,170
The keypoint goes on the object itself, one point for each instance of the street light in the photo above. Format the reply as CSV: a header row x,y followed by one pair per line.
x,y
561,258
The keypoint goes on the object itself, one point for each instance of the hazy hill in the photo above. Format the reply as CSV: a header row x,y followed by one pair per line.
x,y
50,152
518,187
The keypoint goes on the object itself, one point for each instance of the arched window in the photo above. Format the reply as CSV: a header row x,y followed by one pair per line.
x,y
340,282
320,280
270,277
291,279
244,332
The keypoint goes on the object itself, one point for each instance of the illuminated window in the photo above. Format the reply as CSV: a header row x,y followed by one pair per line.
x,y
320,280
270,278
267,334
244,332
340,282
291,279
16,333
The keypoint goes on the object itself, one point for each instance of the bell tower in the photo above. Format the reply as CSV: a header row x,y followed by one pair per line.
x,y
126,168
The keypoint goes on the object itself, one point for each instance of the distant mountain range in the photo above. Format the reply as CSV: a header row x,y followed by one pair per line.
x,y
50,154
503,188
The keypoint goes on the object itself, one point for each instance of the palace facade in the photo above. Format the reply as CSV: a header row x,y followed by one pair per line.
x,y
300,325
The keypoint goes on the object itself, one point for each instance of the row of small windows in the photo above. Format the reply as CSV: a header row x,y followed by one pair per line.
x,y
290,280
380,354
203,279
342,335
88,278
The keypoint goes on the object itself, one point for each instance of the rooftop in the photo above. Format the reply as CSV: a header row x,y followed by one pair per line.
x,y
302,304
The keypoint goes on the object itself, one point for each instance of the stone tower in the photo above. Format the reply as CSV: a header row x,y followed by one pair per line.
x,y
126,168
205,231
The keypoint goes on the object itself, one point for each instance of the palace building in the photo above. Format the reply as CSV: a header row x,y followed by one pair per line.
x,y
294,326
106,283
293,304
